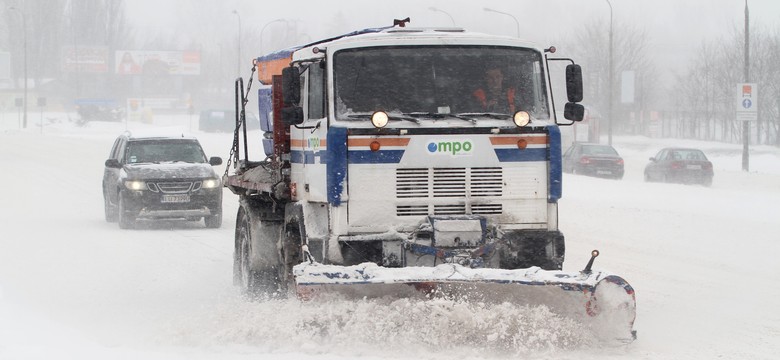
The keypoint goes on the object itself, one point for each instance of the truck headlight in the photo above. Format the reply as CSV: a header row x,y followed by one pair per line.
x,y
379,119
136,185
521,118
210,183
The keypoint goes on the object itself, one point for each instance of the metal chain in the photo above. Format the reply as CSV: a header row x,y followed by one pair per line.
x,y
242,120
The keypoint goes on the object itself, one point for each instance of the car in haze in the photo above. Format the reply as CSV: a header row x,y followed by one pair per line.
x,y
161,177
680,165
220,120
591,159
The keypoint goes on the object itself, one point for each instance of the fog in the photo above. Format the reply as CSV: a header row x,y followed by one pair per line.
x,y
72,286
676,28
693,46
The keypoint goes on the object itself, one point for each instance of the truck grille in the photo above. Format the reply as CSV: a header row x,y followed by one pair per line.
x,y
176,187
463,184
448,182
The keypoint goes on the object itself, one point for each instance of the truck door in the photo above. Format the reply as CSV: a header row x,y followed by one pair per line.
x,y
312,134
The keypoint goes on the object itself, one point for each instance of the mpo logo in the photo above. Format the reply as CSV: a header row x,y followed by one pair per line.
x,y
450,147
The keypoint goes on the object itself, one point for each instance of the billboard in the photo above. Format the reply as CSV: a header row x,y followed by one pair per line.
x,y
132,62
85,59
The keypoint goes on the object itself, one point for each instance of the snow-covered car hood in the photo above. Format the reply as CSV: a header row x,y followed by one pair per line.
x,y
168,171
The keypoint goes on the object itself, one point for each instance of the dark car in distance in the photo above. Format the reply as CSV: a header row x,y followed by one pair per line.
x,y
680,165
159,177
224,121
593,160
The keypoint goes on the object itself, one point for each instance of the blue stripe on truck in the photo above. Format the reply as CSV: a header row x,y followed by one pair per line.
x,y
556,170
517,155
336,164
375,157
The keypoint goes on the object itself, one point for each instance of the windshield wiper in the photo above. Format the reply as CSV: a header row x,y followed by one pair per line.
x,y
500,116
440,115
389,117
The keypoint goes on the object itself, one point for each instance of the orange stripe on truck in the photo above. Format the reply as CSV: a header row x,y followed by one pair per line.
x,y
382,141
512,140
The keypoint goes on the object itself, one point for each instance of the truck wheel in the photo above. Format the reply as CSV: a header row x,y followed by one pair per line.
x,y
256,265
213,221
110,210
126,220
291,253
243,275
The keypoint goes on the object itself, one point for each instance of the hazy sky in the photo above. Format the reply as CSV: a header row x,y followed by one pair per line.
x,y
676,27
669,19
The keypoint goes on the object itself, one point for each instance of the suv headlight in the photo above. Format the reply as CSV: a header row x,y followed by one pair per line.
x,y
210,183
136,185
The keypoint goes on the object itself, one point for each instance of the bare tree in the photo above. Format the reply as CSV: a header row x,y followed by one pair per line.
x,y
630,50
708,88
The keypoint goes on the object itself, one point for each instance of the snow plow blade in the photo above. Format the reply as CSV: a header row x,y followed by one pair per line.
x,y
602,301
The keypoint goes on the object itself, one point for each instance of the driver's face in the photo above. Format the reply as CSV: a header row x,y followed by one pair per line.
x,y
494,79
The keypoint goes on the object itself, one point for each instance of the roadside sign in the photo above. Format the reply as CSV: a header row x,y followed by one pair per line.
x,y
747,102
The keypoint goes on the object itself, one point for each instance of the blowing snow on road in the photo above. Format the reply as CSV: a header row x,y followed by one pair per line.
x,y
72,286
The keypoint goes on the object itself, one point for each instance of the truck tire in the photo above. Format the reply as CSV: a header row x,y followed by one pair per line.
x,y
257,267
291,253
126,220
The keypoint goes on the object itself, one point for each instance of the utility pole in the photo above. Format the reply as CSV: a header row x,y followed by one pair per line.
x,y
24,37
609,107
263,30
746,124
444,12
238,67
517,23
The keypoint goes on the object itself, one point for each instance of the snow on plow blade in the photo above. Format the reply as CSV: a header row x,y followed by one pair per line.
x,y
602,301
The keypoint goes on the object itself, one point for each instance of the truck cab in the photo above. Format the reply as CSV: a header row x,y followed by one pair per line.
x,y
398,146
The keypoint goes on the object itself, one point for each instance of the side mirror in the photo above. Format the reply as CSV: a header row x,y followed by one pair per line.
x,y
652,159
291,86
215,160
113,164
574,112
292,115
574,83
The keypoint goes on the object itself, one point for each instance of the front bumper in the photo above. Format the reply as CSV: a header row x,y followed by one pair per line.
x,y
601,170
148,204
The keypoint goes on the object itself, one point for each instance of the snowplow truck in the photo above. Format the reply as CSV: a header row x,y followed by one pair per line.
x,y
387,173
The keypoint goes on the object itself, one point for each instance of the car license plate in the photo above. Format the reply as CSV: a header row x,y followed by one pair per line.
x,y
604,172
693,167
178,198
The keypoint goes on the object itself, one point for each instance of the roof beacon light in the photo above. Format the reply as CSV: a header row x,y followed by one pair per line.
x,y
521,118
379,119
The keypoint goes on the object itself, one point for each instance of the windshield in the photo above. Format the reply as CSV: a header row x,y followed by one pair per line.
x,y
598,150
439,80
157,151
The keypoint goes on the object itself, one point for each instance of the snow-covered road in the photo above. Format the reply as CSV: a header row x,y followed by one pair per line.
x,y
702,261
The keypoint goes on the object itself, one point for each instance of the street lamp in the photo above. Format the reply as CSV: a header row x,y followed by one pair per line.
x,y
609,108
239,43
263,30
507,14
445,13
24,36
